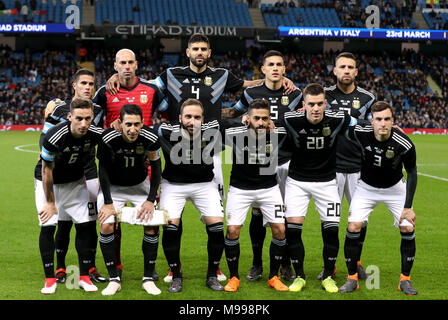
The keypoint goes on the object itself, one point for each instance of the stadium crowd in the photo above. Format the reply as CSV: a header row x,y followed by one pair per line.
x,y
28,83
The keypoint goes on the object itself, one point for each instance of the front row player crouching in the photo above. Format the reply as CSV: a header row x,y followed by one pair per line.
x,y
124,178
66,149
385,150
312,174
253,182
189,176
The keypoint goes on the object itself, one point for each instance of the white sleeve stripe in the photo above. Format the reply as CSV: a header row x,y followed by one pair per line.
x,y
55,138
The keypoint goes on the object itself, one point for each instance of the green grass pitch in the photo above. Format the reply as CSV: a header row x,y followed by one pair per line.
x,y
22,272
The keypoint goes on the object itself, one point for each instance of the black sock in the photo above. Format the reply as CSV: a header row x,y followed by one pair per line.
x,y
83,243
257,234
150,245
94,242
107,245
286,261
407,249
170,244
296,250
232,248
351,251
276,252
361,241
330,238
47,247
117,235
62,241
215,247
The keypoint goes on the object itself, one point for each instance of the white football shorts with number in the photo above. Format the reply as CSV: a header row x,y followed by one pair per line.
x,y
347,183
71,200
282,174
366,198
204,196
268,200
121,195
217,175
93,186
325,194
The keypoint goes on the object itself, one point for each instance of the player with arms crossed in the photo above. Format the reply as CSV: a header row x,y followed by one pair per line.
x,y
66,149
273,92
347,96
385,151
188,175
313,133
253,182
57,112
124,178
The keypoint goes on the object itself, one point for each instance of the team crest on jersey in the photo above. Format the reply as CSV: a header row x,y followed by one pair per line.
x,y
86,146
203,143
285,100
143,98
208,81
356,104
390,153
269,148
326,131
139,149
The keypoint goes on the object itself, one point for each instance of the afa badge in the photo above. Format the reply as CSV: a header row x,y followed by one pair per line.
x,y
269,148
285,100
356,104
326,131
208,81
86,146
390,153
143,98
139,150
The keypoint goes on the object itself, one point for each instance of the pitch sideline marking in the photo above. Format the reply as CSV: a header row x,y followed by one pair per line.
x,y
430,176
19,148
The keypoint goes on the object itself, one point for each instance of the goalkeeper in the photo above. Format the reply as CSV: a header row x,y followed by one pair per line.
x,y
123,178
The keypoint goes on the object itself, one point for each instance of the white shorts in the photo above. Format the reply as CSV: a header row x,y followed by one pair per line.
x,y
93,186
325,194
347,184
269,201
204,195
282,174
217,175
366,198
71,199
121,195
39,198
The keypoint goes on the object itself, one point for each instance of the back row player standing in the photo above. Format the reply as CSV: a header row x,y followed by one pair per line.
x,y
347,96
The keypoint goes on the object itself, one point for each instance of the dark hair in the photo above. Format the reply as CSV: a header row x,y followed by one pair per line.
x,y
191,102
272,53
80,103
381,106
82,72
313,89
132,109
259,104
348,55
198,37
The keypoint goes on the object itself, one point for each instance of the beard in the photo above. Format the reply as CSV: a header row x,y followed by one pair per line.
x,y
200,64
